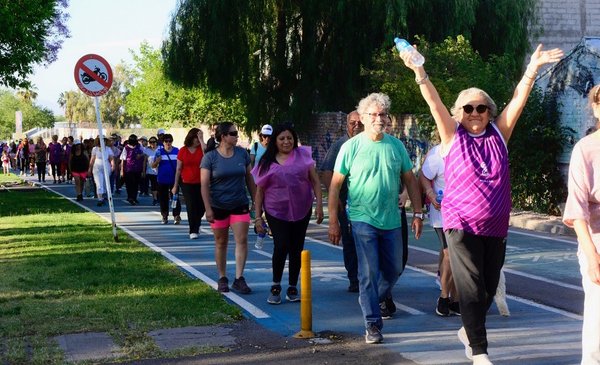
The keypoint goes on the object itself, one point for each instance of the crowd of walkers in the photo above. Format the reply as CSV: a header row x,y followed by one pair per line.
x,y
464,181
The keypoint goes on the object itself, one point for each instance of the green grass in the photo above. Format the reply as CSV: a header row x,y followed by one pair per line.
x,y
61,272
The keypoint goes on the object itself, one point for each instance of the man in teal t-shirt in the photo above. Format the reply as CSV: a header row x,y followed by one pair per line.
x,y
376,163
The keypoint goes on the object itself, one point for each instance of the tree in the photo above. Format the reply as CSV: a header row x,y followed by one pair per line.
x,y
77,106
33,115
31,32
289,59
158,102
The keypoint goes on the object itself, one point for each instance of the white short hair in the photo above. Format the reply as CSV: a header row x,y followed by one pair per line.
x,y
379,99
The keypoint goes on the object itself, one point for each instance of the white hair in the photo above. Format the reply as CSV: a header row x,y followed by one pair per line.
x,y
379,99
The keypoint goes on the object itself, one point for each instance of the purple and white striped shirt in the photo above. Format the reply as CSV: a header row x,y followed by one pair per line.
x,y
477,196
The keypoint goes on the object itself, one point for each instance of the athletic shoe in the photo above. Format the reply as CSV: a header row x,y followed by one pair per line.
x,y
443,307
481,359
240,286
154,201
193,236
386,313
373,334
353,287
275,297
223,285
165,220
454,308
389,303
292,294
177,220
462,336
131,201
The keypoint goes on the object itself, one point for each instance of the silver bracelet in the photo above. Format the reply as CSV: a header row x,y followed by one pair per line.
x,y
422,81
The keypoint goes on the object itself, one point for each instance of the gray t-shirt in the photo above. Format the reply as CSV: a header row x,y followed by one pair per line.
x,y
227,178
329,162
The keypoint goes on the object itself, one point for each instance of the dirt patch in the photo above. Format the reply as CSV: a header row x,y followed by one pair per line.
x,y
257,345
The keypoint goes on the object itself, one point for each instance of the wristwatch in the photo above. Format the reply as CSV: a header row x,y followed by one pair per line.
x,y
418,215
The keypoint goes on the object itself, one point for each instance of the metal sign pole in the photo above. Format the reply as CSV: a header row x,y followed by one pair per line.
x,y
106,170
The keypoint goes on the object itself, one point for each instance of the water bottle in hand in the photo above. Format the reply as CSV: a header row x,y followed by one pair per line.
x,y
416,58
174,200
260,237
439,197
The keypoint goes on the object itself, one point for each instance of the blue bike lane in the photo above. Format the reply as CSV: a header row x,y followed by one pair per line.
x,y
533,334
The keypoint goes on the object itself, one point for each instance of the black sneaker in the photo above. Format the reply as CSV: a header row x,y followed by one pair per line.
x,y
454,308
177,221
292,294
389,303
373,334
275,297
165,220
223,285
386,313
240,286
443,307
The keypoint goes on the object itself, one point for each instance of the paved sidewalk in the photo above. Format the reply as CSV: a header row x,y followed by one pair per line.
x,y
416,334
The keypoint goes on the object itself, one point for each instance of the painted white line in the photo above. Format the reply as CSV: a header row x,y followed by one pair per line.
x,y
573,242
519,273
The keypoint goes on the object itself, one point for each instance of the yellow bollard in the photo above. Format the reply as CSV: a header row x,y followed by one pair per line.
x,y
305,298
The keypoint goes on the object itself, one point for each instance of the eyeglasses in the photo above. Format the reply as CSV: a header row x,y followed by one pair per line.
x,y
233,133
481,108
375,115
151,141
168,141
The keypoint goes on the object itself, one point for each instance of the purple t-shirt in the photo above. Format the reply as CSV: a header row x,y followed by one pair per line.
x,y
55,152
477,195
288,190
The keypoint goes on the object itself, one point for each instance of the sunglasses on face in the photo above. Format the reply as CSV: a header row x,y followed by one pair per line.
x,y
232,133
168,141
481,108
151,141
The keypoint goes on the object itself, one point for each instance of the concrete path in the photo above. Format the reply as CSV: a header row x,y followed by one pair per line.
x,y
535,333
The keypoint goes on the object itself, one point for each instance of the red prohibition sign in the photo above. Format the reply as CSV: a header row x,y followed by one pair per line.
x,y
93,75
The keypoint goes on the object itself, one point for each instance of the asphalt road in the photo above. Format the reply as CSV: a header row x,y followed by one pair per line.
x,y
543,282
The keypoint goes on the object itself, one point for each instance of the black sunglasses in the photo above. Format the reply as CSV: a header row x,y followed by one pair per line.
x,y
233,133
168,141
481,108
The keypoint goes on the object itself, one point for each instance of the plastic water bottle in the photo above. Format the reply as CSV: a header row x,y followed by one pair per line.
x,y
402,45
260,237
174,200
439,197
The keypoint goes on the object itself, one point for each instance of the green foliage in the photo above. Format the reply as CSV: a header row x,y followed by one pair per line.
x,y
289,59
534,147
33,115
31,32
158,102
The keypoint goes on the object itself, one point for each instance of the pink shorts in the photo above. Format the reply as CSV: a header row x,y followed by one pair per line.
x,y
234,218
82,175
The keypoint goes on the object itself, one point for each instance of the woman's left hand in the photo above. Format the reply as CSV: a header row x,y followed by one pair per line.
x,y
540,58
319,213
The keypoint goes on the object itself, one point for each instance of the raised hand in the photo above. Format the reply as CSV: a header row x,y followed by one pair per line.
x,y
540,57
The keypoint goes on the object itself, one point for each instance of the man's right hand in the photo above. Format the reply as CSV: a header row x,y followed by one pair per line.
x,y
335,234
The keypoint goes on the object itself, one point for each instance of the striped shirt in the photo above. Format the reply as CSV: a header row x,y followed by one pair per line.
x,y
477,195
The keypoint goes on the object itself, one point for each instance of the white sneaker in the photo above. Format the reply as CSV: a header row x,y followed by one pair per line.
x,y
481,359
462,336
193,236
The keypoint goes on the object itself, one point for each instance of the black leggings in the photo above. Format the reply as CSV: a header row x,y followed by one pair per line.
x,y
55,167
41,170
164,194
132,182
288,240
194,205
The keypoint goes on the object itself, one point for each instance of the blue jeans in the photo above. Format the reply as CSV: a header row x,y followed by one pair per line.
x,y
379,253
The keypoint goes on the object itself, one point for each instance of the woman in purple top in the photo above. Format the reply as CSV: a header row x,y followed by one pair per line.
x,y
55,154
476,203
582,212
286,184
